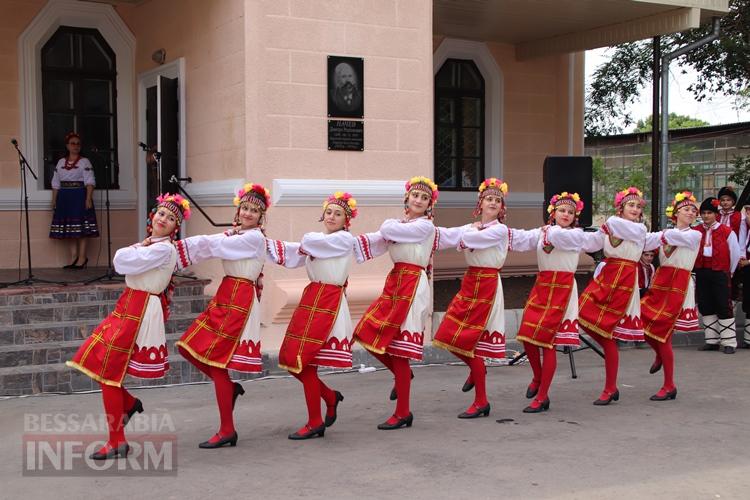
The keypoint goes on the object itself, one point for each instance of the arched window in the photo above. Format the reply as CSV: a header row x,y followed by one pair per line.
x,y
79,94
459,125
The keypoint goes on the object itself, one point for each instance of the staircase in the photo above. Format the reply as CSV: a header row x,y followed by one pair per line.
x,y
41,328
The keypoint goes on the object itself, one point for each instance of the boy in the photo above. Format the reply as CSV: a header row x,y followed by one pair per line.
x,y
646,271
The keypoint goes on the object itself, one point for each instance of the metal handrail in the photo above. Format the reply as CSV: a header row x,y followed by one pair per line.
x,y
176,181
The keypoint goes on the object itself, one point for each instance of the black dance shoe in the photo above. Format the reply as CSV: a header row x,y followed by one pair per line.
x,y
531,391
484,411
666,396
394,394
72,265
137,408
238,391
108,452
709,347
406,421
231,440
728,349
540,407
468,385
332,418
80,266
308,433
655,366
615,396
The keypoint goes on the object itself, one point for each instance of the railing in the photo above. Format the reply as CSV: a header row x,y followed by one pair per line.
x,y
176,181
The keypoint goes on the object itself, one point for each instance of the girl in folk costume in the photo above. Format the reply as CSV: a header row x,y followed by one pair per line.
x,y
131,339
227,334
669,304
743,269
716,261
728,215
392,328
320,331
609,307
474,324
550,317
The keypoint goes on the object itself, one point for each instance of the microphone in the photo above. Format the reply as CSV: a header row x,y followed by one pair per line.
x,y
143,146
14,142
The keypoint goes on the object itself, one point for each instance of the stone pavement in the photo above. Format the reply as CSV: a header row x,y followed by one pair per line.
x,y
695,447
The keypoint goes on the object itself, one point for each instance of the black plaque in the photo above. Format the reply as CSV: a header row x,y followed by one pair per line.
x,y
346,98
346,135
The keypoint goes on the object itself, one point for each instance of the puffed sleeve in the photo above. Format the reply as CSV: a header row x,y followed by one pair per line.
x,y
734,251
415,231
248,245
653,241
137,259
593,241
570,239
367,246
56,176
195,249
497,235
625,229
326,246
88,172
682,238
450,237
742,240
285,253
524,240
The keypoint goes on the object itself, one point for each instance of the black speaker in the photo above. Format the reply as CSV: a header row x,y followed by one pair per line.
x,y
571,174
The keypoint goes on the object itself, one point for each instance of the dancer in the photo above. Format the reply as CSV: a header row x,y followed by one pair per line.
x,y
714,266
320,331
550,317
131,339
743,269
669,304
729,216
609,307
227,334
474,324
392,328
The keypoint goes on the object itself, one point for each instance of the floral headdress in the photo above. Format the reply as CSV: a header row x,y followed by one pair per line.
x,y
177,206
255,194
491,186
565,198
71,135
425,185
680,200
345,201
631,193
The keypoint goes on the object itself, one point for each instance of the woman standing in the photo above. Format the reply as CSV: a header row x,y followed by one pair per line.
x,y
474,324
669,304
550,317
131,339
320,331
72,201
227,334
392,328
609,307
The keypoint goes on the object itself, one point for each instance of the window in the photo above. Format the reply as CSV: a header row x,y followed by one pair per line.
x,y
459,125
79,94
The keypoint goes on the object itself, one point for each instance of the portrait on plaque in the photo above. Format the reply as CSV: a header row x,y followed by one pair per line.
x,y
345,87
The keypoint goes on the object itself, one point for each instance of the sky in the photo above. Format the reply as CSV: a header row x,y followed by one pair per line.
x,y
716,111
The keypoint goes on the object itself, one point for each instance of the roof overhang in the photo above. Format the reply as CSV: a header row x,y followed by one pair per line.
x,y
543,27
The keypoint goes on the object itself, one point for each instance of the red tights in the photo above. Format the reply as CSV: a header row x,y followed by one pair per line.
x,y
665,353
402,372
315,389
478,376
543,367
611,363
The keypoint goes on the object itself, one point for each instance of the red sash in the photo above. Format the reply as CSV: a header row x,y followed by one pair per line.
x,y
604,301
662,304
545,309
105,354
310,325
214,335
468,313
383,319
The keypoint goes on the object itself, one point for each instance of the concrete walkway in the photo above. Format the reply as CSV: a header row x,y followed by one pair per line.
x,y
695,447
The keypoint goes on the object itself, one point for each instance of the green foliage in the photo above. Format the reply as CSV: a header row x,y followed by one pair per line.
x,y
675,121
741,174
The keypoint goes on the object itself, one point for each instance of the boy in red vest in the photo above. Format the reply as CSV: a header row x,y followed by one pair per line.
x,y
714,265
728,215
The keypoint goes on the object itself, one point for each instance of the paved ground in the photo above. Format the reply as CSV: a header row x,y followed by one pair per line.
x,y
695,447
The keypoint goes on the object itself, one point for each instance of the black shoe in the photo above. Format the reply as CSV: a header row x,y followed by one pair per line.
x,y
745,345
72,265
655,366
394,394
230,440
709,347
729,349
332,418
309,433
107,452
76,266
469,384
238,391
137,407
484,411
612,397
669,395
406,421
531,391
543,406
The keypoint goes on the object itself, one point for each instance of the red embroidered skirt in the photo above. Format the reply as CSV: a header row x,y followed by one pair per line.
x,y
215,334
662,304
605,300
545,309
468,313
382,321
104,356
310,325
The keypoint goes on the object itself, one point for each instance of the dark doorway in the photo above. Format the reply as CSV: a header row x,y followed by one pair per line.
x,y
162,134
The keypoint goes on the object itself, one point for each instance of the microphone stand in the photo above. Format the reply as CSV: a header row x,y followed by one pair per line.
x,y
24,166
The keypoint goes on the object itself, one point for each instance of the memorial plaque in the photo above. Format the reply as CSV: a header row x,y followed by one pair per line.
x,y
346,135
346,87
